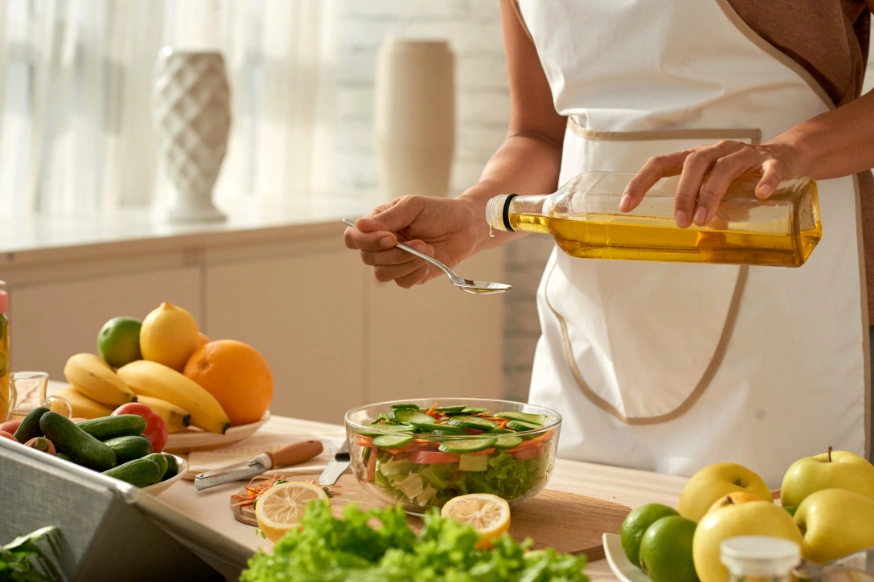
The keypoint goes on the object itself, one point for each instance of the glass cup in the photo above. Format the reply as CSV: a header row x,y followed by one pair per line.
x,y
27,390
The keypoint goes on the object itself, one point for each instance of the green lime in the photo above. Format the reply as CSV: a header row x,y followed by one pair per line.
x,y
119,341
635,525
666,550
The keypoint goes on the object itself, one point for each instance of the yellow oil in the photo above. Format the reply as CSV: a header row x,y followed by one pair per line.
x,y
4,366
644,238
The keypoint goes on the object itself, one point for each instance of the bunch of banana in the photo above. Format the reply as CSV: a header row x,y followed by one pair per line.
x,y
93,377
83,407
176,417
151,379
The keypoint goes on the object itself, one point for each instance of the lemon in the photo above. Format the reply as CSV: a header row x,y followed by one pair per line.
x,y
169,336
636,524
666,550
119,341
280,508
488,514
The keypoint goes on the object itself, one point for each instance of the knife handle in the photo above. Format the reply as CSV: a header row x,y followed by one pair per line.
x,y
295,453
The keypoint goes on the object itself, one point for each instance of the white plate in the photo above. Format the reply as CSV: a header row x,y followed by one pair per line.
x,y
624,570
194,439
157,488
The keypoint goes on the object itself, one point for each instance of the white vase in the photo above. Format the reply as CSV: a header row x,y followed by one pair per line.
x,y
192,111
415,117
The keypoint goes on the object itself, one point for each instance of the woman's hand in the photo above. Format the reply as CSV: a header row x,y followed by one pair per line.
x,y
705,173
444,228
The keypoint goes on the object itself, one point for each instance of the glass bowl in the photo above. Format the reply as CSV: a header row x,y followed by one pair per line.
x,y
422,463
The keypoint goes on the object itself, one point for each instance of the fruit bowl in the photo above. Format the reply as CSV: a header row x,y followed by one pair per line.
x,y
194,439
421,454
161,486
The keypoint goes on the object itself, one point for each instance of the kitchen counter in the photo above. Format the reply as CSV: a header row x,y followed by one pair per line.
x,y
625,486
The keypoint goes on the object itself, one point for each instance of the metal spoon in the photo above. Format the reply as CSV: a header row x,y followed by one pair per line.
x,y
476,287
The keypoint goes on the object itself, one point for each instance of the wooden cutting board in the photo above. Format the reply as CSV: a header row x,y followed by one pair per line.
x,y
568,522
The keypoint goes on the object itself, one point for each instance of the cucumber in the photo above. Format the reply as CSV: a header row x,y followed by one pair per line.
x,y
109,427
403,406
507,442
173,466
413,417
501,431
140,472
472,422
446,409
82,448
378,429
29,427
470,445
472,411
537,419
473,463
63,456
442,429
128,448
392,441
522,426
162,462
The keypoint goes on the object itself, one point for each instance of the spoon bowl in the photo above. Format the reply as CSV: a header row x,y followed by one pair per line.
x,y
467,285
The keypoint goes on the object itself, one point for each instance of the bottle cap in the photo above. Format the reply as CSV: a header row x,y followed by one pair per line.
x,y
759,556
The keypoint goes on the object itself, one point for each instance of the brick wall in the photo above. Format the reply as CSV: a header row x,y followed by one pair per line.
x,y
473,29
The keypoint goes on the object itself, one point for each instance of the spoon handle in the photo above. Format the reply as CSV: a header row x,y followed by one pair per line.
x,y
421,255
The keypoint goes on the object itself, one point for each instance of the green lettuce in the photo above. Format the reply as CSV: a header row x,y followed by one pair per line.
x,y
327,549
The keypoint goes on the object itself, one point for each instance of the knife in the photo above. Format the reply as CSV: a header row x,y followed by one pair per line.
x,y
337,466
288,455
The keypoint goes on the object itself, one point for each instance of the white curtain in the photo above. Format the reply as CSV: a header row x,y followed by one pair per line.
x,y
76,132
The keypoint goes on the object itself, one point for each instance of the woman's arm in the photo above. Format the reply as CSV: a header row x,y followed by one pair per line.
x,y
831,145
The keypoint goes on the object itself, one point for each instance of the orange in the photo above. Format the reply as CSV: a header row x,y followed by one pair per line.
x,y
202,340
237,375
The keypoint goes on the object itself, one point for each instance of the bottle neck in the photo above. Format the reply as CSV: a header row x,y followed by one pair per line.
x,y
511,213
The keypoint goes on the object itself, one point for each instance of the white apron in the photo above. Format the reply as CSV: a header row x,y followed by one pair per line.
x,y
671,367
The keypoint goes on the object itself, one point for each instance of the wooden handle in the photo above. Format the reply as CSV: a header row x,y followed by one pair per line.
x,y
295,453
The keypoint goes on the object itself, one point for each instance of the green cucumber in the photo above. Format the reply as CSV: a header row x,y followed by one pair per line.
x,y
507,442
173,466
29,427
413,417
473,463
537,419
404,406
378,429
109,427
522,426
162,462
470,445
139,472
473,422
442,429
473,411
82,448
501,431
450,409
392,441
63,456
128,448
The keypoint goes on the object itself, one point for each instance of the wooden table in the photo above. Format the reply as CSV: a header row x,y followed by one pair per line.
x,y
625,486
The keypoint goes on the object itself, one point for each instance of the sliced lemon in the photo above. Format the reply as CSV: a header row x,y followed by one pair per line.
x,y
280,508
488,514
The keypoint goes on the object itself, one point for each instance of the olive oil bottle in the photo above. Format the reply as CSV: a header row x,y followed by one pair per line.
x,y
584,219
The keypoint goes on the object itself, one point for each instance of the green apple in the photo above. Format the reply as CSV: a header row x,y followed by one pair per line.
x,y
754,518
831,470
835,523
713,482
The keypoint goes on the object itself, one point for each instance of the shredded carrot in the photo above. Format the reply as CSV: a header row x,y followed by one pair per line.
x,y
432,409
371,467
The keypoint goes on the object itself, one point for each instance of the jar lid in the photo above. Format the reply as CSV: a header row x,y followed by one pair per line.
x,y
759,555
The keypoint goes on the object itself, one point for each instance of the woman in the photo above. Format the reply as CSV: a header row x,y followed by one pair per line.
x,y
663,366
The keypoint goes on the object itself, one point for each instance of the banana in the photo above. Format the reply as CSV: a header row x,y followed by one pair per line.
x,y
83,407
177,418
148,378
95,379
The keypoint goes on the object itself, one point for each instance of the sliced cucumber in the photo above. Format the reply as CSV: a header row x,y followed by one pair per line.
x,y
392,441
473,463
378,429
501,431
472,422
405,406
467,410
522,426
413,417
441,429
537,419
507,442
450,408
470,445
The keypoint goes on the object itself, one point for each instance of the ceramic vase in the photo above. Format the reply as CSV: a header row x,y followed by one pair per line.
x,y
192,112
415,117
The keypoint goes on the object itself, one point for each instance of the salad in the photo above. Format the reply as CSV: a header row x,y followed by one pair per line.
x,y
425,457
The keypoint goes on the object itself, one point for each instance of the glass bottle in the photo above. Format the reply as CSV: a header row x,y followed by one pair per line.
x,y
4,354
759,558
583,217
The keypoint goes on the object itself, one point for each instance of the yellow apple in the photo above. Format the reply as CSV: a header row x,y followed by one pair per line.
x,y
831,470
754,518
735,498
834,523
709,484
